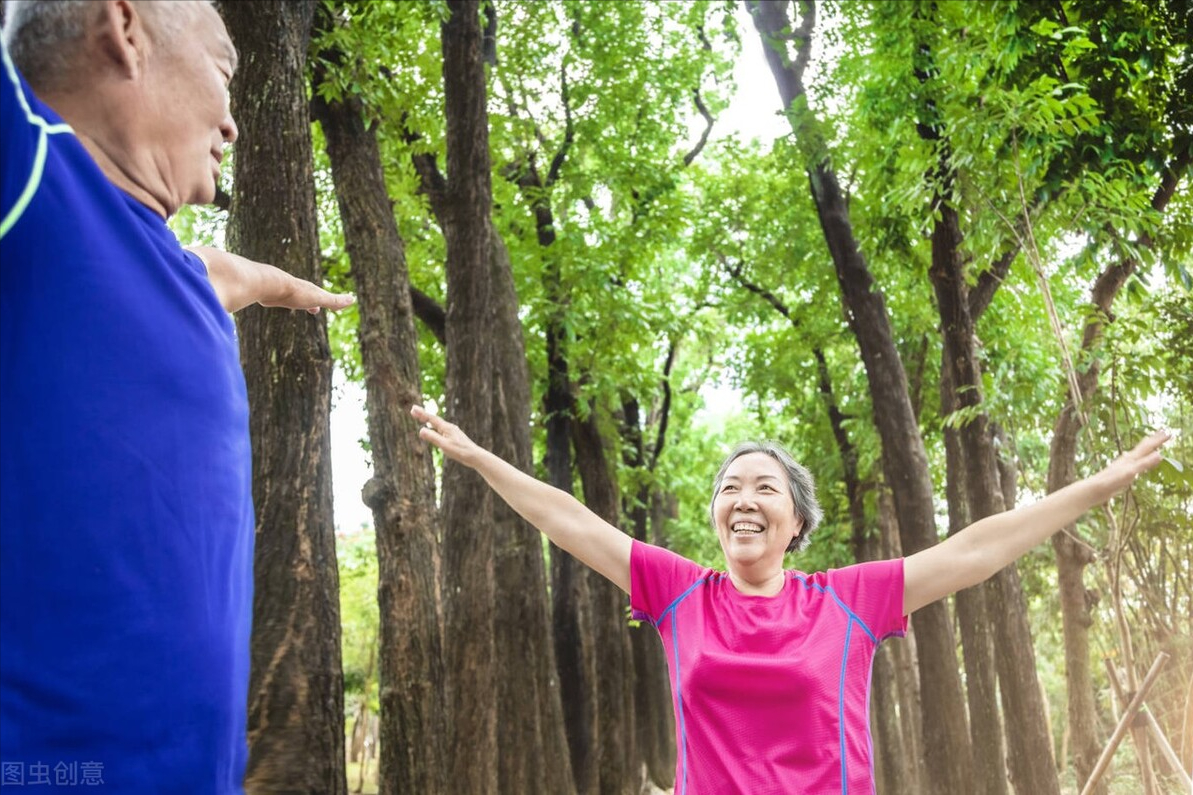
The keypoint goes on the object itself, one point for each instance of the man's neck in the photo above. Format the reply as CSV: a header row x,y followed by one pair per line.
x,y
116,158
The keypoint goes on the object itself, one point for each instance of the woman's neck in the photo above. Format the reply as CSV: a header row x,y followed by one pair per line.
x,y
753,583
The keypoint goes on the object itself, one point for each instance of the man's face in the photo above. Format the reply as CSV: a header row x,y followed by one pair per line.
x,y
187,81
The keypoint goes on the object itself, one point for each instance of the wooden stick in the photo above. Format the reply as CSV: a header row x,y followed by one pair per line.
x,y
1166,749
1124,724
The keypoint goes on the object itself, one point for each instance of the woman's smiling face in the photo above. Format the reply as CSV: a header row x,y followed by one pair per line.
x,y
754,513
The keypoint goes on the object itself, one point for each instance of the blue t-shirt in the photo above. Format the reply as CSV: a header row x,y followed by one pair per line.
x,y
126,526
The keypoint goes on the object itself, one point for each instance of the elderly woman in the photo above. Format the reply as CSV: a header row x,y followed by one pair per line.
x,y
770,669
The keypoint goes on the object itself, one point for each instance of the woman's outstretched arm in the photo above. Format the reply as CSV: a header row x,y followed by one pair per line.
x,y
977,552
557,514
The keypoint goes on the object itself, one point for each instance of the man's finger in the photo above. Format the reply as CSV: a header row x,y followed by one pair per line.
x,y
313,298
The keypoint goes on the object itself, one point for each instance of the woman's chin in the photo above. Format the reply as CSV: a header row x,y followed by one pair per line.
x,y
744,551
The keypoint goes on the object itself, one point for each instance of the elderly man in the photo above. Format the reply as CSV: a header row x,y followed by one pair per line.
x,y
126,527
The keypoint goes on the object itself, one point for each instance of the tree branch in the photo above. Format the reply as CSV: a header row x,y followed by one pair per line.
x,y
771,19
430,312
432,182
735,270
708,123
568,128
665,410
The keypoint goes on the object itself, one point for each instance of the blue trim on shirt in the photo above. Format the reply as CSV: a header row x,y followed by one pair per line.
x,y
683,734
841,705
829,590
853,619
44,129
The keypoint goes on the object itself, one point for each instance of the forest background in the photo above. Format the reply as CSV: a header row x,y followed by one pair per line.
x,y
954,279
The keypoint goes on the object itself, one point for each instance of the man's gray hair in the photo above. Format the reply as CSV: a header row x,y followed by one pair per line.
x,y
43,36
799,480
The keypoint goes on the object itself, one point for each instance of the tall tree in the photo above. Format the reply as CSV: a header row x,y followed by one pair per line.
x,y
468,586
401,492
654,720
530,705
619,764
947,751
555,158
296,688
973,447
524,697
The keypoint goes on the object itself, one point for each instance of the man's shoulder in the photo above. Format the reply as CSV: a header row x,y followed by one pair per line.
x,y
31,132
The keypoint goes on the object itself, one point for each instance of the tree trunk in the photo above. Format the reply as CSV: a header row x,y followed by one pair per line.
x,y
977,635
946,748
401,492
296,687
572,617
947,754
1029,743
654,718
575,652
534,754
977,638
956,326
528,705
619,762
904,660
468,554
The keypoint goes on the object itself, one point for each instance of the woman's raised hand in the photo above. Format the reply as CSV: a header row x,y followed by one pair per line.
x,y
454,443
1122,471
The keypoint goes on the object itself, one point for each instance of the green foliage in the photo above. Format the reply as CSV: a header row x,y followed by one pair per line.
x,y
356,555
1068,114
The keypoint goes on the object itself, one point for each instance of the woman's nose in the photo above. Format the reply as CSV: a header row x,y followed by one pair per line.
x,y
744,500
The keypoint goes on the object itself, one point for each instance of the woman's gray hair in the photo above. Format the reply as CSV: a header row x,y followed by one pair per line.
x,y
799,480
43,36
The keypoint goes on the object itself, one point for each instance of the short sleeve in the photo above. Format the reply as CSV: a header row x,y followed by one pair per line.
x,y
25,124
873,592
657,578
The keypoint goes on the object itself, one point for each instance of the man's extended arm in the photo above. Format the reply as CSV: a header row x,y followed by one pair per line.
x,y
240,282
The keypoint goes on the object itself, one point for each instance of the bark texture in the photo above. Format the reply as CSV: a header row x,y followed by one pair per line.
x,y
468,555
576,655
524,682
654,716
534,752
401,492
296,689
977,636
1029,745
618,760
957,361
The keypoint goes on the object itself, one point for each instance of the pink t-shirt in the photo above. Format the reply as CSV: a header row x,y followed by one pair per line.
x,y
772,693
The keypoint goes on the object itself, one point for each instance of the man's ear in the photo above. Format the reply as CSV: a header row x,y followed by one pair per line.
x,y
120,35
